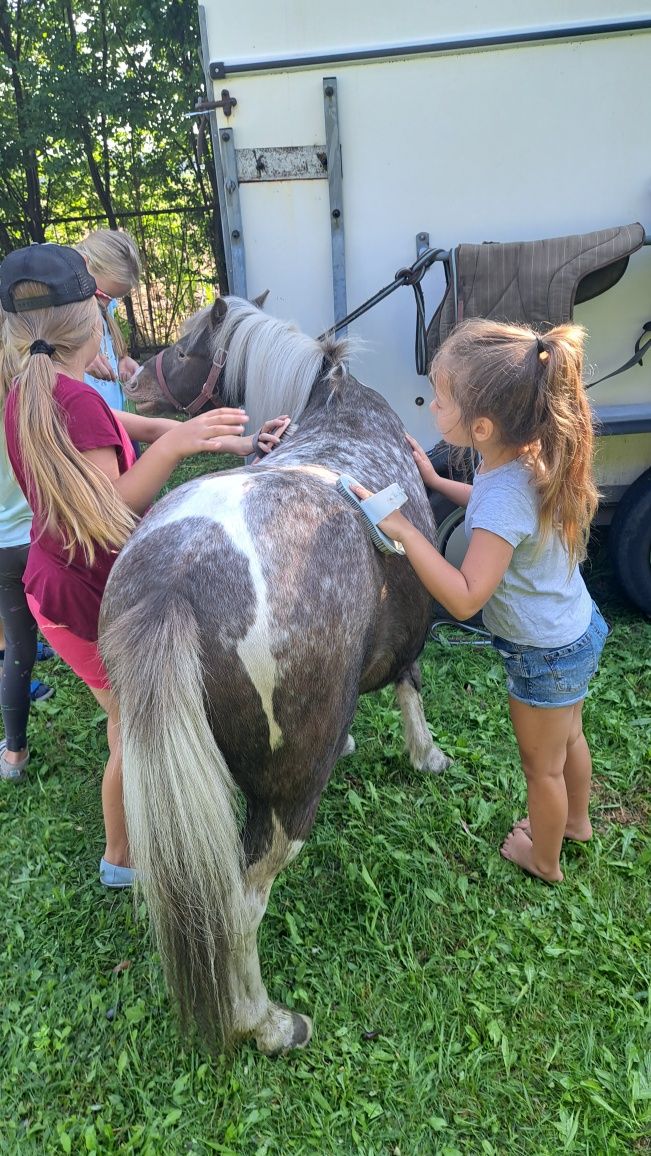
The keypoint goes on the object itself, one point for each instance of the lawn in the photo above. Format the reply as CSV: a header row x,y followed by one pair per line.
x,y
459,1006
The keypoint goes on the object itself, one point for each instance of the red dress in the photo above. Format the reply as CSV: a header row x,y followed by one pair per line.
x,y
68,592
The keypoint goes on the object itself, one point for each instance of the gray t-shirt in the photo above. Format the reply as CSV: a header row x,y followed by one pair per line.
x,y
539,601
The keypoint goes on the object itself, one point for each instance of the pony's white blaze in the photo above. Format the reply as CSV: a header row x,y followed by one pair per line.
x,y
221,500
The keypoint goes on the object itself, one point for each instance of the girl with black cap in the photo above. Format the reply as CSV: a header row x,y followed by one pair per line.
x,y
75,464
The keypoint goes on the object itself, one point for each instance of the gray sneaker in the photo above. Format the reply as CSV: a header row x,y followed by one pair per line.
x,y
12,772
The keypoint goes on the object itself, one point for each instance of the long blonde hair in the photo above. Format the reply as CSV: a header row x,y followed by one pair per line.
x,y
112,255
72,497
531,386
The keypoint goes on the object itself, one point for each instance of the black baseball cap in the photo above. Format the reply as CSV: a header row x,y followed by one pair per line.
x,y
59,267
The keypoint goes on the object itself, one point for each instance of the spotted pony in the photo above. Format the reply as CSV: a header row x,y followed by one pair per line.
x,y
241,622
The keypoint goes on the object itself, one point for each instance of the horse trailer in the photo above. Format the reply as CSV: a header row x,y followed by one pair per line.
x,y
354,140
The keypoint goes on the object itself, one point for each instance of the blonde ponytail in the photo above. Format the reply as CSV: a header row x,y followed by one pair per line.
x,y
563,459
530,385
73,498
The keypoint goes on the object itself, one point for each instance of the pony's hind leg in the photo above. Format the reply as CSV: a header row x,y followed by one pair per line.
x,y
423,752
275,1028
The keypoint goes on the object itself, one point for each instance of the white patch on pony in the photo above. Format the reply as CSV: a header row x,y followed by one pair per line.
x,y
322,472
220,499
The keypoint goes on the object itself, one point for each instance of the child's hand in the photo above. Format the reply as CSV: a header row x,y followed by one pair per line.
x,y
100,367
425,467
202,434
269,436
127,367
394,525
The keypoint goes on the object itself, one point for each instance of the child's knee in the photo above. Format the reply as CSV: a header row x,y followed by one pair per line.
x,y
540,766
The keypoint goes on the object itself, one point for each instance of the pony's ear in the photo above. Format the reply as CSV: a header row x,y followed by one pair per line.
x,y
218,312
260,299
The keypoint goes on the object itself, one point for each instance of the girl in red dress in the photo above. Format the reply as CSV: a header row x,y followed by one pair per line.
x,y
75,463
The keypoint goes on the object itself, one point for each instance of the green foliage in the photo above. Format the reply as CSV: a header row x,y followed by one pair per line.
x,y
92,102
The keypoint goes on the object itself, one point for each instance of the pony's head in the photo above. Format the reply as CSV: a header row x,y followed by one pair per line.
x,y
233,354
173,379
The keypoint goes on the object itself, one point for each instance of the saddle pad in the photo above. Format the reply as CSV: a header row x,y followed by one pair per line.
x,y
531,282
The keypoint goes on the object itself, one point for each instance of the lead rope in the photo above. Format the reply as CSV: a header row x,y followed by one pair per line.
x,y
409,275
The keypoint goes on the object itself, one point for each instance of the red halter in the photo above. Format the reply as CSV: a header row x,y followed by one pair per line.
x,y
208,388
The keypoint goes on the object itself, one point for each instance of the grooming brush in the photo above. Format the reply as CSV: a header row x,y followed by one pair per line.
x,y
374,509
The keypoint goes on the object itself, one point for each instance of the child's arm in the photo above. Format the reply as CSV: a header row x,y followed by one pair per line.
x,y
463,592
144,429
457,492
150,429
139,486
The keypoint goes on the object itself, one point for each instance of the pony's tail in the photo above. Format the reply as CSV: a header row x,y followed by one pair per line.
x,y
179,801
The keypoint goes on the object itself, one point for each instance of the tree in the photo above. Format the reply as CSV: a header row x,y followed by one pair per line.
x,y
92,102
20,177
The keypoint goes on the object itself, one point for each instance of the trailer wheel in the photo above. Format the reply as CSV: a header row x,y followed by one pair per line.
x,y
630,542
449,518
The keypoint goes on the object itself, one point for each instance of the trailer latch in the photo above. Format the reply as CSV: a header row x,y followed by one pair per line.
x,y
227,104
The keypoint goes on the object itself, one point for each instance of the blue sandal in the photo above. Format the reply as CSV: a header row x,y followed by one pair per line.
x,y
40,691
44,652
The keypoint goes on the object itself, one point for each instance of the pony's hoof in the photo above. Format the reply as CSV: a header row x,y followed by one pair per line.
x,y
282,1030
435,762
348,747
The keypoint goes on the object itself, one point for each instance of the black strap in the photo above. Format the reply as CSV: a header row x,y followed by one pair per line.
x,y
636,359
410,275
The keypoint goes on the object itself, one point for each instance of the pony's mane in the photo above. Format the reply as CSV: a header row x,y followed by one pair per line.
x,y
196,322
278,363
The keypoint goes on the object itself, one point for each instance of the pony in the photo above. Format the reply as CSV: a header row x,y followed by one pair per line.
x,y
240,623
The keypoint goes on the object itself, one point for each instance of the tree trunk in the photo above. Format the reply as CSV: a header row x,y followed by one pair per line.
x,y
29,205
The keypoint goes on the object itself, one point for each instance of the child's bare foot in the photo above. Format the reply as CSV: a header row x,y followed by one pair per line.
x,y
518,848
577,832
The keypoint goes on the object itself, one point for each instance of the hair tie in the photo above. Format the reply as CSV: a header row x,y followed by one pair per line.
x,y
41,347
543,354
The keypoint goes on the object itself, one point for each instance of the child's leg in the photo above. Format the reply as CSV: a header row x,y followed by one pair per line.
x,y
117,844
19,633
543,737
577,773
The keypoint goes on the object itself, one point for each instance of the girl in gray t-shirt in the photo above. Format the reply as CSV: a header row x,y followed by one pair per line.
x,y
517,397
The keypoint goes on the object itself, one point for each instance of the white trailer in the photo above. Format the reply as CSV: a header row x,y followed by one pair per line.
x,y
349,136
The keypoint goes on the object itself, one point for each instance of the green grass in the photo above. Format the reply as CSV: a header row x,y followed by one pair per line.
x,y
459,1006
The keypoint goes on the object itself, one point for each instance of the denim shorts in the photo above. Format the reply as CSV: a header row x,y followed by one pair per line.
x,y
553,678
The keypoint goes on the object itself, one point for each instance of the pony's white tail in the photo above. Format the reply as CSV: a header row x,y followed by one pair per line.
x,y
179,803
